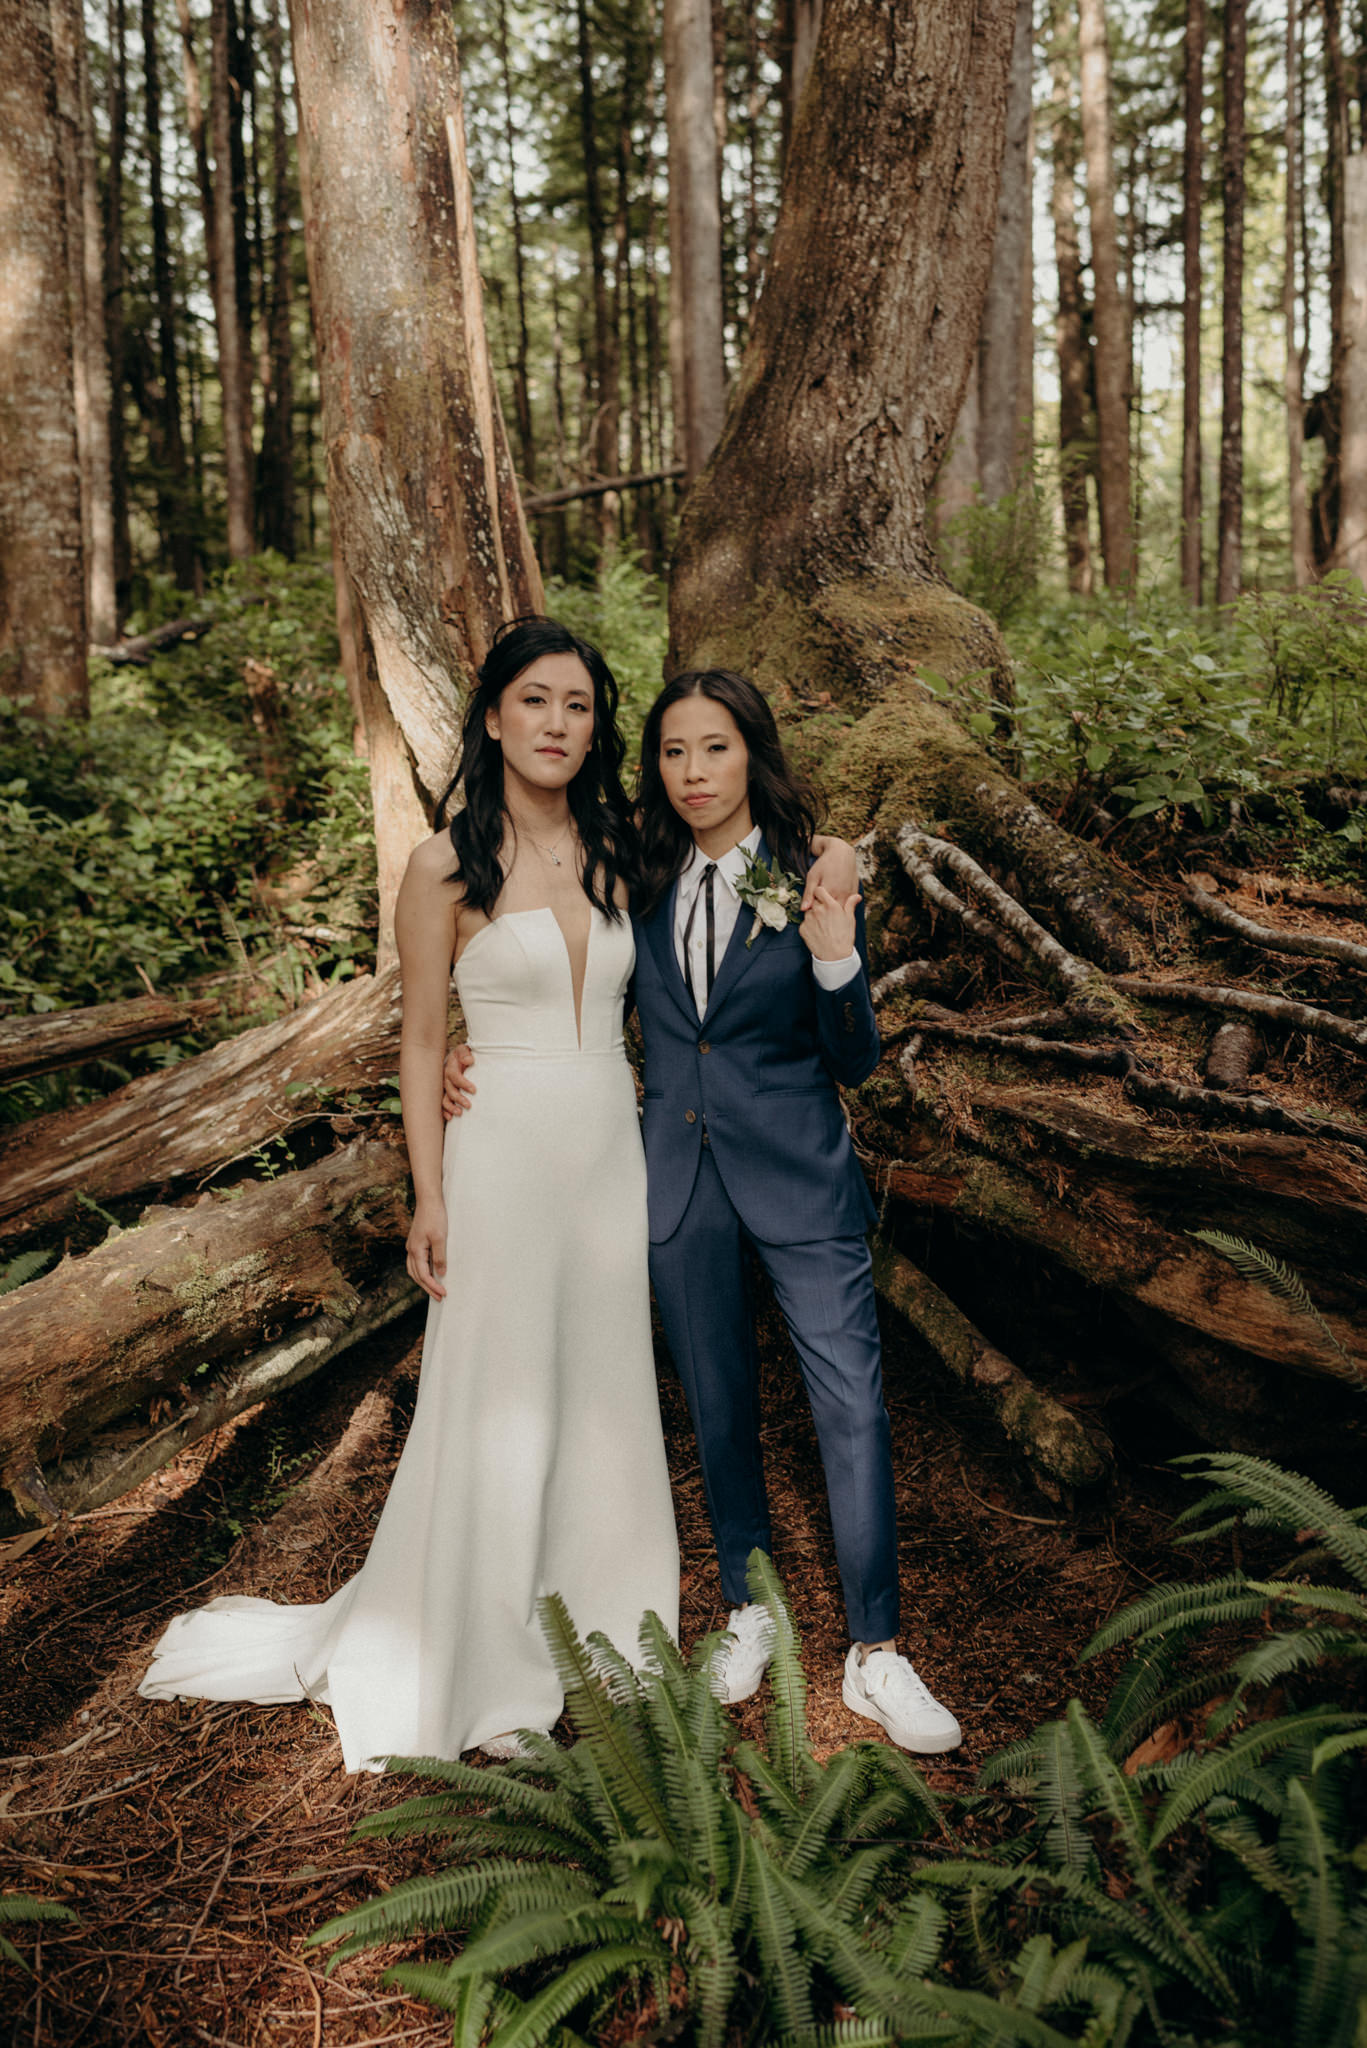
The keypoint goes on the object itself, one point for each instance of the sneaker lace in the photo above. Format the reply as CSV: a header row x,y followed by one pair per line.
x,y
899,1679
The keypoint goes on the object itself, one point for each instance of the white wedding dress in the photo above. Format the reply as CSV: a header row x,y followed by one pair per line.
x,y
535,1462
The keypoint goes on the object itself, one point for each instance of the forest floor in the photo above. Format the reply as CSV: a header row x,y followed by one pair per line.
x,y
199,1845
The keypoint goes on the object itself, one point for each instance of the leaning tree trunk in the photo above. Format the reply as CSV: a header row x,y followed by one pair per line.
x,y
803,559
420,481
42,592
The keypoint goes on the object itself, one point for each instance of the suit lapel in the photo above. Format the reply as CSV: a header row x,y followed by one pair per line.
x,y
658,929
738,957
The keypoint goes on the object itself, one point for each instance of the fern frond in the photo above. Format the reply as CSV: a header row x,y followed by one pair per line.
x,y
1240,1839
786,1720
1336,1746
1322,1599
1290,1501
786,1972
1209,1775
1060,1792
448,1898
1180,1604
913,1947
1253,1263
1277,1658
18,1908
24,1266
618,1750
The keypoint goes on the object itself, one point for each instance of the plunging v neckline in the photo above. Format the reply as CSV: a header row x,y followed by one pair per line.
x,y
545,910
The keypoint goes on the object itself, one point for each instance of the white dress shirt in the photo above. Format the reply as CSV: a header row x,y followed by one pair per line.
x,y
727,907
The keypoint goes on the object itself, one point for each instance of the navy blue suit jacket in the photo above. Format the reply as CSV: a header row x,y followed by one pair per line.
x,y
759,1074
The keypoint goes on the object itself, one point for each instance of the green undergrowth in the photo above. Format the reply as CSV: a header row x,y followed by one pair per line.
x,y
172,842
1186,1870
1148,710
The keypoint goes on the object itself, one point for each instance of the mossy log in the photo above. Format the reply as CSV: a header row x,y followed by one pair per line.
x,y
149,1309
64,1038
189,1120
1052,1439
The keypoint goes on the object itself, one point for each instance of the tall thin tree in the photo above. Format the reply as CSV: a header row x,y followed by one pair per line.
x,y
999,345
1110,326
232,342
116,29
1076,427
695,255
1193,99
42,578
275,475
1229,564
173,495
1302,551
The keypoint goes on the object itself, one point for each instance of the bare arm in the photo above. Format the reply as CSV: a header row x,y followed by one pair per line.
x,y
425,929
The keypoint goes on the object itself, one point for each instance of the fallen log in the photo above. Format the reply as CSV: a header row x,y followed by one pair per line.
x,y
64,1038
104,1471
140,649
1051,1436
191,1119
151,1307
1073,1205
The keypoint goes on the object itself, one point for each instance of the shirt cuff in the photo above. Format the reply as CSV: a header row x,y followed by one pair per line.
x,y
833,974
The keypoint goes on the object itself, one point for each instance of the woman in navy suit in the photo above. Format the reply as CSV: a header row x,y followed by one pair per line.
x,y
749,1022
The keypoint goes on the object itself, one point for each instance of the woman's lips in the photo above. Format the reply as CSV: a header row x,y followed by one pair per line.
x,y
696,801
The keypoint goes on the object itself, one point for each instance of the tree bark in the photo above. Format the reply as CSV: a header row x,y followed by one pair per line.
x,y
695,259
798,27
1192,152
173,508
1076,427
275,471
116,27
1337,143
420,480
603,441
233,348
1110,326
189,1120
1302,551
153,1305
522,400
44,1045
1351,552
90,349
999,347
958,482
42,579
1229,566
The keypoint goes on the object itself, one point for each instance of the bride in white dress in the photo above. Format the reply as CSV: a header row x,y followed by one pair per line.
x,y
535,1461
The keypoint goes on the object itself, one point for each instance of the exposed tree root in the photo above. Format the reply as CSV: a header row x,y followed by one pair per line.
x,y
1050,1435
1248,1002
921,855
1312,944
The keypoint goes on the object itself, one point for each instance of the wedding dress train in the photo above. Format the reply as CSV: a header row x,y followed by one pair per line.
x,y
535,1461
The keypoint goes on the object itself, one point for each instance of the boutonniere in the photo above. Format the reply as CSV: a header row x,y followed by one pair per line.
x,y
775,898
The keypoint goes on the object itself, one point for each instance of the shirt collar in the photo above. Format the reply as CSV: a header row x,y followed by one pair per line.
x,y
730,867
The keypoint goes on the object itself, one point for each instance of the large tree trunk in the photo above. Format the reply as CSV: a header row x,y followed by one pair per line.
x,y
999,348
116,29
152,1306
1337,143
1352,536
1111,327
42,580
1194,102
275,471
420,481
1229,566
695,279
606,380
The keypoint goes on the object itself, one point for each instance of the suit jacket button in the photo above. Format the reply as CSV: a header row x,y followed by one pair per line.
x,y
690,1116
703,1045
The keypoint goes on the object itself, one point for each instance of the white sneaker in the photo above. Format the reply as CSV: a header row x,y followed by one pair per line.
x,y
742,1657
883,1687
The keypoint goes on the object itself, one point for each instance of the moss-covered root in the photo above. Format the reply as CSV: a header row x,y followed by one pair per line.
x,y
864,645
1053,1440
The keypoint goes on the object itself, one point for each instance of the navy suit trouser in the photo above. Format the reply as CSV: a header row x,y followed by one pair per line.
x,y
825,1291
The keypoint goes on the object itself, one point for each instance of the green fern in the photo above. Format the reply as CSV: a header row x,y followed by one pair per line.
x,y
1286,1286
20,1909
24,1266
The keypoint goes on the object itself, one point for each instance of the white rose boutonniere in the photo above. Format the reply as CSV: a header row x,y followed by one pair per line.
x,y
775,898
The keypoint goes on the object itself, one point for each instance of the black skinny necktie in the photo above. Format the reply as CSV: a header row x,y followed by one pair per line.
x,y
711,914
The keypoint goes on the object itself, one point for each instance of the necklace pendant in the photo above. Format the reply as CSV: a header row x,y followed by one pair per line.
x,y
555,860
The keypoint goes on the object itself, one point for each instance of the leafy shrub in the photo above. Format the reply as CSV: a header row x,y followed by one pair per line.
x,y
128,836
993,553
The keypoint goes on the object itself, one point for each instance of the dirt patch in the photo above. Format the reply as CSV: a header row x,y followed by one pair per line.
x,y
201,1844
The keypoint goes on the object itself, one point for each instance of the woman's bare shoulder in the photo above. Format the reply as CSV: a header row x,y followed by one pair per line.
x,y
433,860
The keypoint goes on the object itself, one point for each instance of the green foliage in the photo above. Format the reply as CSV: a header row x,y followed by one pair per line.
x,y
993,553
134,844
22,1908
1259,1266
623,613
1128,712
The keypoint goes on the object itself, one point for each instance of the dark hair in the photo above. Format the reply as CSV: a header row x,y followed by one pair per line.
x,y
782,804
598,802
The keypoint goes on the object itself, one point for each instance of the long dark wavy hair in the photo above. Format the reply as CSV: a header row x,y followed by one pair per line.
x,y
598,803
782,803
